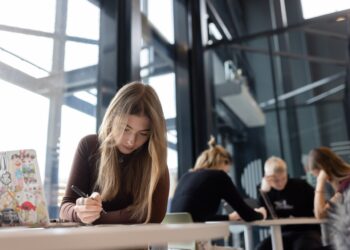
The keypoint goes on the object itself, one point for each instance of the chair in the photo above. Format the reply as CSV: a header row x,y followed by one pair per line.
x,y
179,218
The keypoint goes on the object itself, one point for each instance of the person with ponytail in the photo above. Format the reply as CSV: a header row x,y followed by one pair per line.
x,y
124,167
200,191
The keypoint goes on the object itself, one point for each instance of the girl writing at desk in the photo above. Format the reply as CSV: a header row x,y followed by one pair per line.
x,y
123,167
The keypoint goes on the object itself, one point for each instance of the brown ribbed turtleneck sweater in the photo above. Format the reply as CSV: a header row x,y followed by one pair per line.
x,y
83,175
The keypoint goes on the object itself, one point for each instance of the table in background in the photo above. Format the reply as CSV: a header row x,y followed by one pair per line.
x,y
275,229
108,236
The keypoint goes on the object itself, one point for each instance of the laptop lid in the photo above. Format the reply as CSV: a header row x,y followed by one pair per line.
x,y
268,204
249,201
22,199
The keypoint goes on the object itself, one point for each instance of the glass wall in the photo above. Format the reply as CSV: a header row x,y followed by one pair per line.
x,y
157,67
48,58
314,8
283,93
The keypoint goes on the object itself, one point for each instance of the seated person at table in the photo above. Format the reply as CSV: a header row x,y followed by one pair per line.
x,y
328,168
200,191
289,198
124,167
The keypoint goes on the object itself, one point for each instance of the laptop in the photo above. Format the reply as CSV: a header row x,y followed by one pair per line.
x,y
22,199
268,204
249,201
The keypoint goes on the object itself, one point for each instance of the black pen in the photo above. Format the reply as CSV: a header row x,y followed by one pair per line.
x,y
82,194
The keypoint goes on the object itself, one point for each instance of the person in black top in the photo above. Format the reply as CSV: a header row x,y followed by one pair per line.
x,y
200,191
289,198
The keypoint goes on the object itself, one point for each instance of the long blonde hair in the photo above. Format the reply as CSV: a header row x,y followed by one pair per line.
x,y
212,157
148,163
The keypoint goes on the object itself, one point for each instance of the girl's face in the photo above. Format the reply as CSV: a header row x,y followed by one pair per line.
x,y
136,133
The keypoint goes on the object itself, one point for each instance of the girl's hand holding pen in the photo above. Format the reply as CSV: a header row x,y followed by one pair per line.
x,y
89,208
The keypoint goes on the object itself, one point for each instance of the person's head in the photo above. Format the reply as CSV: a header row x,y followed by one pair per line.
x,y
215,157
276,168
133,117
133,125
325,159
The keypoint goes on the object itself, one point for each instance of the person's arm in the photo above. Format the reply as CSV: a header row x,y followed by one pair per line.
x,y
122,216
266,183
320,204
307,207
234,216
80,177
233,197
160,198
264,186
159,206
218,217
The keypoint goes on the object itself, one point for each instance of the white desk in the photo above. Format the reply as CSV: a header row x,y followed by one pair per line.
x,y
275,227
108,236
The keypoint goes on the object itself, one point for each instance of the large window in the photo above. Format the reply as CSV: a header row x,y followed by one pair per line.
x,y
314,8
157,68
284,91
48,57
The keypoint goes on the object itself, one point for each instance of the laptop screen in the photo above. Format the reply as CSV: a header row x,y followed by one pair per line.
x,y
22,200
268,204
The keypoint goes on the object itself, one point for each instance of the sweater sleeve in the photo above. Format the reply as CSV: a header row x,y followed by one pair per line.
x,y
159,206
122,216
231,195
80,176
160,198
218,217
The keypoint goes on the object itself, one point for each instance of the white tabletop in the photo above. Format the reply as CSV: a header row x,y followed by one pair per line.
x,y
107,236
282,221
275,227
